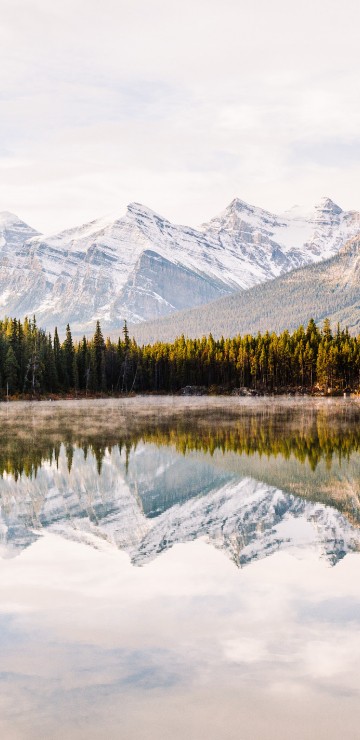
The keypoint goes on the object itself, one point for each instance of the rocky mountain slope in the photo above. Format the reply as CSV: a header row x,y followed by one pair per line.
x,y
141,266
13,233
330,289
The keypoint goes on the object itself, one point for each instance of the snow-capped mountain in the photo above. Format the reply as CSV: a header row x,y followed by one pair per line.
x,y
328,289
161,501
141,266
13,233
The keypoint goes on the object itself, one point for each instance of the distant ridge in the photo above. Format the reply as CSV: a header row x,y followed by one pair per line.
x,y
330,289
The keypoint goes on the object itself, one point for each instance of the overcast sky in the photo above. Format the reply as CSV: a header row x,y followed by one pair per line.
x,y
179,104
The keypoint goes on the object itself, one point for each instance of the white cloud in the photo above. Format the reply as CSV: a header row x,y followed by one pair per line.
x,y
181,106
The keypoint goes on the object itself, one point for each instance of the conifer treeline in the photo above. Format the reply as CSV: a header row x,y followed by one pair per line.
x,y
34,362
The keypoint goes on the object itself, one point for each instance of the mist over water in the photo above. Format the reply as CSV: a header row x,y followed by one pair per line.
x,y
178,568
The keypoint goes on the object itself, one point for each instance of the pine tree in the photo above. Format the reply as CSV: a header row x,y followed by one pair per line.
x,y
11,369
126,336
59,366
50,375
68,359
75,373
34,371
97,351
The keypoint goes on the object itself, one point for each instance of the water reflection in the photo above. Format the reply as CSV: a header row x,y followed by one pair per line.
x,y
189,646
311,436
251,483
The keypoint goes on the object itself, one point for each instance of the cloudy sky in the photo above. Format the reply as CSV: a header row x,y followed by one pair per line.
x,y
181,105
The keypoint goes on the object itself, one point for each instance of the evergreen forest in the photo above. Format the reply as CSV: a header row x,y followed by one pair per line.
x,y
311,359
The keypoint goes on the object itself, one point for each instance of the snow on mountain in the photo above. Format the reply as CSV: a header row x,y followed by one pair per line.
x,y
333,227
327,289
156,507
141,266
303,237
13,233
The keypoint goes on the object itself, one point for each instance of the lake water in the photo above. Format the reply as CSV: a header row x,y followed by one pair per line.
x,y
180,568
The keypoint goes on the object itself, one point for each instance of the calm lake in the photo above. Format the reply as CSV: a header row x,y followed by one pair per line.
x,y
180,569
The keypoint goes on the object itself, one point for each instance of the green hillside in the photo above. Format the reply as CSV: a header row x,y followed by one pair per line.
x,y
329,289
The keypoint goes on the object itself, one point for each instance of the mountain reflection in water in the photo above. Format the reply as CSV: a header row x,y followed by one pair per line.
x,y
251,481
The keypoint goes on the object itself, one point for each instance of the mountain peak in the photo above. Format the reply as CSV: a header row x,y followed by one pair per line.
x,y
7,218
14,231
137,209
239,212
326,205
239,205
140,266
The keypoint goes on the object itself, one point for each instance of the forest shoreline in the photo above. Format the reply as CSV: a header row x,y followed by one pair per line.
x,y
244,393
309,362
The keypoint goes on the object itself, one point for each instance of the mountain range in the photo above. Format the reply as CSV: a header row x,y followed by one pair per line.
x,y
141,267
330,289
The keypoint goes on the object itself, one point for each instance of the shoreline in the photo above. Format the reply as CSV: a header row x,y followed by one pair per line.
x,y
188,392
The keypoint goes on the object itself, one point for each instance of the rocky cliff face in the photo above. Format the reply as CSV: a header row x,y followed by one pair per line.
x,y
141,266
328,289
